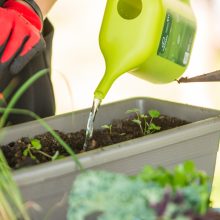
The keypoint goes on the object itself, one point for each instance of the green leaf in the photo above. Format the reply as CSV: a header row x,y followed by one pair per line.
x,y
154,113
137,121
134,110
106,126
189,167
153,127
185,173
143,116
36,144
25,152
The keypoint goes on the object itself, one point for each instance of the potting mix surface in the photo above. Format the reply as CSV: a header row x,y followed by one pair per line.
x,y
121,130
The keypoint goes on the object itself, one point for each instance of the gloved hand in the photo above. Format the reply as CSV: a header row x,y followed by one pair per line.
x,y
20,36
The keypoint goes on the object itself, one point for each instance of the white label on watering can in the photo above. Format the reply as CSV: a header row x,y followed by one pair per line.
x,y
177,39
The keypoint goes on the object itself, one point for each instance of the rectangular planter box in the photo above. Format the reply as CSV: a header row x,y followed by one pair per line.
x,y
48,183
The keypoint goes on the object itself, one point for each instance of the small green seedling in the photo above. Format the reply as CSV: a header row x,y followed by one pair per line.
x,y
145,122
35,146
109,127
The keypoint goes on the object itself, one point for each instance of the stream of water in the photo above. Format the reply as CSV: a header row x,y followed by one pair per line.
x,y
90,123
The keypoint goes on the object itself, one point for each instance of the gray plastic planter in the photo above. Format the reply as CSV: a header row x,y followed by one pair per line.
x,y
48,183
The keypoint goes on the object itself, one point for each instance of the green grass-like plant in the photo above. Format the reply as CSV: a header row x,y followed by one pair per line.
x,y
11,204
9,109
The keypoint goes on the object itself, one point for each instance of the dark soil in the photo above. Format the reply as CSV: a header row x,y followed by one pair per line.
x,y
122,130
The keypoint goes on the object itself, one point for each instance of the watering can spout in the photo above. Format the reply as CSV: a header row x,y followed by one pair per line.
x,y
208,77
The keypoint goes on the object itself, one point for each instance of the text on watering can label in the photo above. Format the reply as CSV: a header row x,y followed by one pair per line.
x,y
177,39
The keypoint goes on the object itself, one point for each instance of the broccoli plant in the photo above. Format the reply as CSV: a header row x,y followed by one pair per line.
x,y
145,121
35,147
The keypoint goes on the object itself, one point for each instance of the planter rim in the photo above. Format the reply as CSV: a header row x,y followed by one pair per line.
x,y
138,98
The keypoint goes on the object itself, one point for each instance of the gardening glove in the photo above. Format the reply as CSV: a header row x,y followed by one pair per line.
x,y
20,35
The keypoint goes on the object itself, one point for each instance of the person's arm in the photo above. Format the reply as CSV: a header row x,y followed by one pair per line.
x,y
45,5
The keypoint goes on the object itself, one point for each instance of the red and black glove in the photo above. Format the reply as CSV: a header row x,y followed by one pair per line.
x,y
20,35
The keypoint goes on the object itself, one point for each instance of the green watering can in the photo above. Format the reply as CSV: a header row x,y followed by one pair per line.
x,y
151,39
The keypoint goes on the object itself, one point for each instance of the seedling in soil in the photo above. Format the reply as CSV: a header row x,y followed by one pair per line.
x,y
109,127
145,121
35,147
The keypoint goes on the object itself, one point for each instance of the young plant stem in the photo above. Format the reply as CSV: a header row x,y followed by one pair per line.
x,y
146,125
30,153
43,153
139,119
49,129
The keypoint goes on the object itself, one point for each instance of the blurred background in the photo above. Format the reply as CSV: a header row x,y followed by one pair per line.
x,y
78,64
